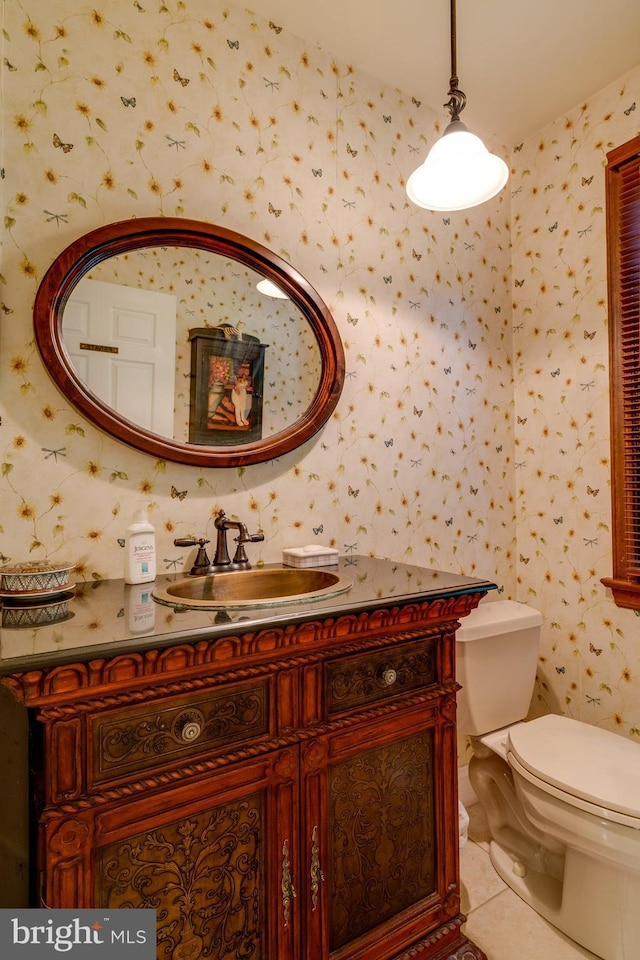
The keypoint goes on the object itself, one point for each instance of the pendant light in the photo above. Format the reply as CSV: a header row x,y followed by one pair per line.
x,y
459,171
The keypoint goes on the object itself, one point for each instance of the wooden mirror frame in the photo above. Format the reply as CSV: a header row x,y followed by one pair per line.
x,y
128,235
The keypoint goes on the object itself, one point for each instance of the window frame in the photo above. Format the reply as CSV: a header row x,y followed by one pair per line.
x,y
622,185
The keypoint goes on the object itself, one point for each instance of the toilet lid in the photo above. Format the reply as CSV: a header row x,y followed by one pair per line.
x,y
581,760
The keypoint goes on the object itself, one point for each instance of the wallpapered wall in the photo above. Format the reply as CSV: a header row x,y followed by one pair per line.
x,y
435,455
590,667
201,110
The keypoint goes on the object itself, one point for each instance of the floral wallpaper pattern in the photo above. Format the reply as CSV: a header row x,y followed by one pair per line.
x,y
472,433
590,668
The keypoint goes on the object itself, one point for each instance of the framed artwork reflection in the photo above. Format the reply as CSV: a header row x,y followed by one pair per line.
x,y
227,379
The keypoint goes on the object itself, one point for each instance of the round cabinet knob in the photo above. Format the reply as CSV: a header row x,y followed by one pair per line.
x,y
188,726
389,676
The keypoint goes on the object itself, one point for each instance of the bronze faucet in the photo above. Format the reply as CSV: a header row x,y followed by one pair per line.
x,y
240,560
221,561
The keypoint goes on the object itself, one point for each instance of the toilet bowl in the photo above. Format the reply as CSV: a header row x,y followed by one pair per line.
x,y
562,797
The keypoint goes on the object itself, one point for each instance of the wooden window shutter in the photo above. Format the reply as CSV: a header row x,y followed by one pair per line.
x,y
623,252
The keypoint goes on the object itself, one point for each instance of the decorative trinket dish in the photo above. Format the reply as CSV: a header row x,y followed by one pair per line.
x,y
34,578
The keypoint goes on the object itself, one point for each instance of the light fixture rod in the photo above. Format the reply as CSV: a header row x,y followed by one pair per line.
x,y
457,99
453,21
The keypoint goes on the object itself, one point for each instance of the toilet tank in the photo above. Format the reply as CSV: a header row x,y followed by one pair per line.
x,y
496,657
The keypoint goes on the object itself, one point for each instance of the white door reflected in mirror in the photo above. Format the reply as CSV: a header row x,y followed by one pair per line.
x,y
122,341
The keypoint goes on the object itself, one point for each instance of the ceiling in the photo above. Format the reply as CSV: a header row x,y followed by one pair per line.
x,y
521,63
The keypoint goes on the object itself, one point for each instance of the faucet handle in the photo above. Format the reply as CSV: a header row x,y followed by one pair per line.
x,y
250,538
241,554
202,564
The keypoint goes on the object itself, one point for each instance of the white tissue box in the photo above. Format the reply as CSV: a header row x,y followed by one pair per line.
x,y
313,555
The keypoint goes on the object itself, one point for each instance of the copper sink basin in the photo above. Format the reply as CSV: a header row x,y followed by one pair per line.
x,y
265,587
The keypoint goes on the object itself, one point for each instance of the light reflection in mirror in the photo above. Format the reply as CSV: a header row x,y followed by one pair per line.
x,y
270,290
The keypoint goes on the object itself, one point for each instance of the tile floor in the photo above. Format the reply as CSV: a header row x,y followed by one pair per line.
x,y
498,921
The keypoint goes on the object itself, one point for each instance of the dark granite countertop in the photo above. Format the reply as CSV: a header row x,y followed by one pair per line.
x,y
109,617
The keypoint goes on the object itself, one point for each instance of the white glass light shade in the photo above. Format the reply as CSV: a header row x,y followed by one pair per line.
x,y
269,289
459,172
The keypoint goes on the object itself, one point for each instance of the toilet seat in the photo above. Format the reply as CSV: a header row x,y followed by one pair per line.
x,y
593,769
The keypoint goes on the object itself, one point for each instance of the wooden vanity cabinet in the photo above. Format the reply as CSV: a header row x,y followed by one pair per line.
x,y
371,795
285,794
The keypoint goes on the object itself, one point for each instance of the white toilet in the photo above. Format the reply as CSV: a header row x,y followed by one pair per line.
x,y
562,798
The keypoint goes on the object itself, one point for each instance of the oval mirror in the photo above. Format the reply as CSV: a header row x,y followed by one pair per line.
x,y
189,342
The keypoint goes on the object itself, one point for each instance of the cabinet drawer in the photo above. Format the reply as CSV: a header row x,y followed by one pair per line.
x,y
367,678
171,731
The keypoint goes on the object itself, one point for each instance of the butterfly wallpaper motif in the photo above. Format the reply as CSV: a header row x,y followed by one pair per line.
x,y
472,433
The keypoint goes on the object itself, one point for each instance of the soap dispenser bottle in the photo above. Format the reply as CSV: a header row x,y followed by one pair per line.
x,y
140,549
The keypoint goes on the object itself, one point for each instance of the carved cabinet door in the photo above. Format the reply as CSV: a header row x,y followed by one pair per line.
x,y
211,855
382,872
